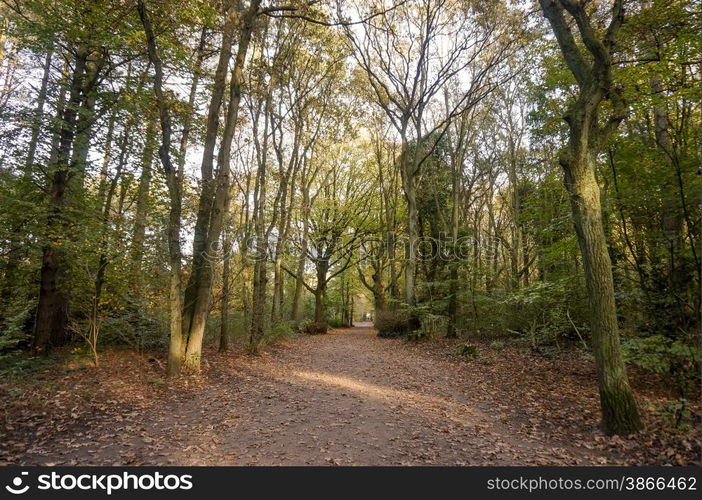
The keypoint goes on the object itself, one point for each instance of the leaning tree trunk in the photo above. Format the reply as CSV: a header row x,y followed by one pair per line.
x,y
201,288
620,413
200,265
593,74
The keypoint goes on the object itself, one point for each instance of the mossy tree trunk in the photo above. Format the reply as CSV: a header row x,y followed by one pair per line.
x,y
593,74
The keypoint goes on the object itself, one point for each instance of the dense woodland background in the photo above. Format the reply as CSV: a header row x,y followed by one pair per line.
x,y
180,173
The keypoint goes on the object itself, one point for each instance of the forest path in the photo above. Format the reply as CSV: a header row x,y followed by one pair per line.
x,y
345,398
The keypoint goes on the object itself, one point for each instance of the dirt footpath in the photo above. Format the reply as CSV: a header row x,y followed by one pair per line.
x,y
346,398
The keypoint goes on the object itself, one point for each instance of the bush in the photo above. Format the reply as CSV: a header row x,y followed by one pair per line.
x,y
467,350
548,311
396,323
279,332
317,328
497,345
337,323
417,335
676,360
15,334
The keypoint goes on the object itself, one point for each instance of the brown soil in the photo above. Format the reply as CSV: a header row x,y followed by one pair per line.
x,y
345,398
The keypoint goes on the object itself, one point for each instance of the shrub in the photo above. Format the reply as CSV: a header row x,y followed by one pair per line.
x,y
15,333
337,323
396,323
677,360
317,328
280,331
467,350
497,345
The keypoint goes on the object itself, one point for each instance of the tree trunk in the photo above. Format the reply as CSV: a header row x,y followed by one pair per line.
x,y
52,307
408,182
322,265
39,111
173,182
296,310
200,287
104,259
224,309
195,286
142,201
451,326
619,410
319,310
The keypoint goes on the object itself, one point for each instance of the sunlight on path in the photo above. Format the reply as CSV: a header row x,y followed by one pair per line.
x,y
450,409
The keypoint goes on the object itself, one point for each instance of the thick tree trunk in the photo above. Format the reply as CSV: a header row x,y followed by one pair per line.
x,y
379,301
320,290
620,413
319,307
52,307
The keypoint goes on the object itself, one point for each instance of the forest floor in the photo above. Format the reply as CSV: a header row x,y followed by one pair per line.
x,y
345,398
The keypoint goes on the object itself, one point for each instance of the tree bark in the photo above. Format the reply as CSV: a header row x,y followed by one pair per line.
x,y
52,307
142,201
224,308
174,184
201,286
195,286
620,414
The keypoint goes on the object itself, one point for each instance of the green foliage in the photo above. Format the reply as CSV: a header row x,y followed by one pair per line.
x,y
467,350
281,331
396,323
676,412
14,333
497,345
550,310
337,323
677,360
